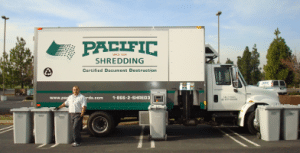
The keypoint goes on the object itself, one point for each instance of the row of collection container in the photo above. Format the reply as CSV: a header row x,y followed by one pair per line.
x,y
278,122
41,124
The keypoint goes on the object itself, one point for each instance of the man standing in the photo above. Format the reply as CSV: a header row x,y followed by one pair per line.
x,y
77,106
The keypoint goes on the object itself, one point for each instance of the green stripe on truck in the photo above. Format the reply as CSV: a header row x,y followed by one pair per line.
x,y
109,105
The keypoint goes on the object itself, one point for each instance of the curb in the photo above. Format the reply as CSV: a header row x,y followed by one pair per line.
x,y
7,122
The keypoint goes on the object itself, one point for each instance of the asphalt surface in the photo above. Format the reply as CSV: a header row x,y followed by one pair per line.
x,y
201,138
13,102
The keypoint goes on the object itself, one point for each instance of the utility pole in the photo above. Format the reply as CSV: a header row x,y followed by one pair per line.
x,y
3,97
218,14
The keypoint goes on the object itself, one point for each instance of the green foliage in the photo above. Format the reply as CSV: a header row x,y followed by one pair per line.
x,y
244,65
255,73
18,67
275,69
248,65
6,70
294,93
228,61
239,62
263,76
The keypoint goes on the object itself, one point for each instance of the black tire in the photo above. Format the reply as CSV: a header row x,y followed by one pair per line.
x,y
100,124
250,123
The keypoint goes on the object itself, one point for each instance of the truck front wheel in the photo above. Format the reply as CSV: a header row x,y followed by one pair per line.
x,y
250,123
100,124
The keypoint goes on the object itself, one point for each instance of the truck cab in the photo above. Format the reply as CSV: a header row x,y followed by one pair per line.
x,y
229,97
228,93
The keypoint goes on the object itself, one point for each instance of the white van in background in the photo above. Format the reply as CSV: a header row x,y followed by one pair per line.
x,y
278,86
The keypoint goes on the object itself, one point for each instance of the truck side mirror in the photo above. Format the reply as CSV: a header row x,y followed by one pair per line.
x,y
235,77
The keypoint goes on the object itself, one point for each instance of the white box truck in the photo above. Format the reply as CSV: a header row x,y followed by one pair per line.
x,y
116,67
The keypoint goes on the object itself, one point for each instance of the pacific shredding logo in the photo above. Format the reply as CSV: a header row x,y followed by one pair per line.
x,y
115,46
66,50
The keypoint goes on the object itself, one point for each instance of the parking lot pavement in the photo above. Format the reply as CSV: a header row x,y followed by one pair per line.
x,y
180,139
13,102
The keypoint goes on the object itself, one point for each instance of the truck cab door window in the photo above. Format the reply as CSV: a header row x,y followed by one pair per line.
x,y
222,76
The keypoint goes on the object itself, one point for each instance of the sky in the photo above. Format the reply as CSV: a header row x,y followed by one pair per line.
x,y
242,23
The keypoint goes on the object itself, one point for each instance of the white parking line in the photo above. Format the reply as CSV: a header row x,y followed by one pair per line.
x,y
152,144
233,139
141,138
255,144
6,128
42,145
54,145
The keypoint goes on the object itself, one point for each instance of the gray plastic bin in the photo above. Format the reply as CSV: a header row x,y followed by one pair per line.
x,y
157,117
62,126
23,125
269,120
43,125
290,121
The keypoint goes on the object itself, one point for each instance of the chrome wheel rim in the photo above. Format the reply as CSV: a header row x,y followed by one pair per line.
x,y
100,124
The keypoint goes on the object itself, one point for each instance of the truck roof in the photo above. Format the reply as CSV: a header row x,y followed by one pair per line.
x,y
115,27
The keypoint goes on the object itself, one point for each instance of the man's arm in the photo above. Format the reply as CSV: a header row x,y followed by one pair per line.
x,y
83,111
61,106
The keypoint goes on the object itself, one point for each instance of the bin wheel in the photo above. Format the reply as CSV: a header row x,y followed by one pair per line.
x,y
166,137
258,135
100,124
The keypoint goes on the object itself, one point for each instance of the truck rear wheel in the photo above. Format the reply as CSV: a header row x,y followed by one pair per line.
x,y
100,124
250,123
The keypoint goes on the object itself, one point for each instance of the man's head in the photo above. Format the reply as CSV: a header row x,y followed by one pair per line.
x,y
75,90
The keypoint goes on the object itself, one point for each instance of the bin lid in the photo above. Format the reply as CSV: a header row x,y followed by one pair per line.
x,y
64,109
43,109
157,107
290,107
22,109
273,107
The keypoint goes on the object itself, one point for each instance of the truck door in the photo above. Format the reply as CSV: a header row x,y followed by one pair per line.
x,y
225,97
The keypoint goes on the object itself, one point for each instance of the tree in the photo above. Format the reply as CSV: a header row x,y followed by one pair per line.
x,y
254,63
239,62
228,61
263,76
293,65
21,59
248,65
5,63
275,69
245,66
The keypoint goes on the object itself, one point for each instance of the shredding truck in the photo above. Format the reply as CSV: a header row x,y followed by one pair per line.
x,y
116,68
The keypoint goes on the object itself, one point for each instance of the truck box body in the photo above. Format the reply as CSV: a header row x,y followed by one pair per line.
x,y
116,67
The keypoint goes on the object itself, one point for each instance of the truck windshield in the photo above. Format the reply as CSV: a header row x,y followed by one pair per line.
x,y
242,78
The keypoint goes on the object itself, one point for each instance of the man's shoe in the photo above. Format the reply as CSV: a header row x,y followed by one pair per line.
x,y
75,144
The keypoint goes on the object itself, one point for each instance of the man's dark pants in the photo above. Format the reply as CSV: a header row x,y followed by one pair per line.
x,y
76,123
